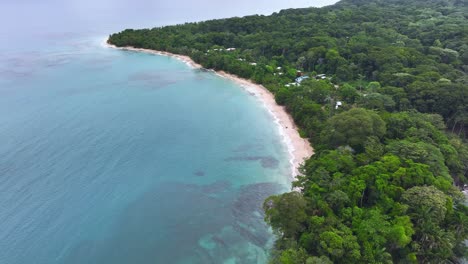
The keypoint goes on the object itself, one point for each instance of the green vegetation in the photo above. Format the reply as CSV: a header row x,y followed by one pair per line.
x,y
388,121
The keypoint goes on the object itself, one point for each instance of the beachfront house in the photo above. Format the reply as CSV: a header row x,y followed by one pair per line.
x,y
338,104
321,77
301,78
292,84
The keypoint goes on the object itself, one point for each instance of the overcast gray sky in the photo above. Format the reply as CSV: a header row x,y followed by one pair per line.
x,y
98,15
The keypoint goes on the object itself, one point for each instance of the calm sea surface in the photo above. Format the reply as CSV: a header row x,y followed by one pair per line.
x,y
109,156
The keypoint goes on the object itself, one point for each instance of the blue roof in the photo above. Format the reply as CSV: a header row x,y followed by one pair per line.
x,y
300,79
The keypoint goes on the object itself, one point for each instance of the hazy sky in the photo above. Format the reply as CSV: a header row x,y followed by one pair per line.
x,y
99,15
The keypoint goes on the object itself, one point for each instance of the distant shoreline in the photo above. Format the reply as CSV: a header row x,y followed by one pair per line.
x,y
299,148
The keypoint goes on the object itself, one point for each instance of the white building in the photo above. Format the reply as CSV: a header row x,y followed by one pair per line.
x,y
338,104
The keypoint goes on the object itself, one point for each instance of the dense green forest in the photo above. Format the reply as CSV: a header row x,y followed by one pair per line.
x,y
385,107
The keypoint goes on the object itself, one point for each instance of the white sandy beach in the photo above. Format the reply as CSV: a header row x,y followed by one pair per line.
x,y
299,148
183,58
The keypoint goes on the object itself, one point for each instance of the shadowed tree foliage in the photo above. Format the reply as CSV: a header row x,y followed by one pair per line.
x,y
353,128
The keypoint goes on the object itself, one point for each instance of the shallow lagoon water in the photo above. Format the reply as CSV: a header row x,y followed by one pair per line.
x,y
109,156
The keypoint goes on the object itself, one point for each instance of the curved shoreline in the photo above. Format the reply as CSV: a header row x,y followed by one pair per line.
x,y
299,148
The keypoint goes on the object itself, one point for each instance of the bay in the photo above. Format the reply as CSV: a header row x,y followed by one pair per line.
x,y
109,156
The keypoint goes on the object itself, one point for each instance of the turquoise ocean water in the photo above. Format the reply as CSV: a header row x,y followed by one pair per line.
x,y
108,156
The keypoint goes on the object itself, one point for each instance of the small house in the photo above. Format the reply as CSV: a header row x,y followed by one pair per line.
x,y
320,76
301,78
292,84
338,104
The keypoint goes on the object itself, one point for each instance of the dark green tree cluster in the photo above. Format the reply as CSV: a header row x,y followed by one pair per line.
x,y
388,122
379,191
